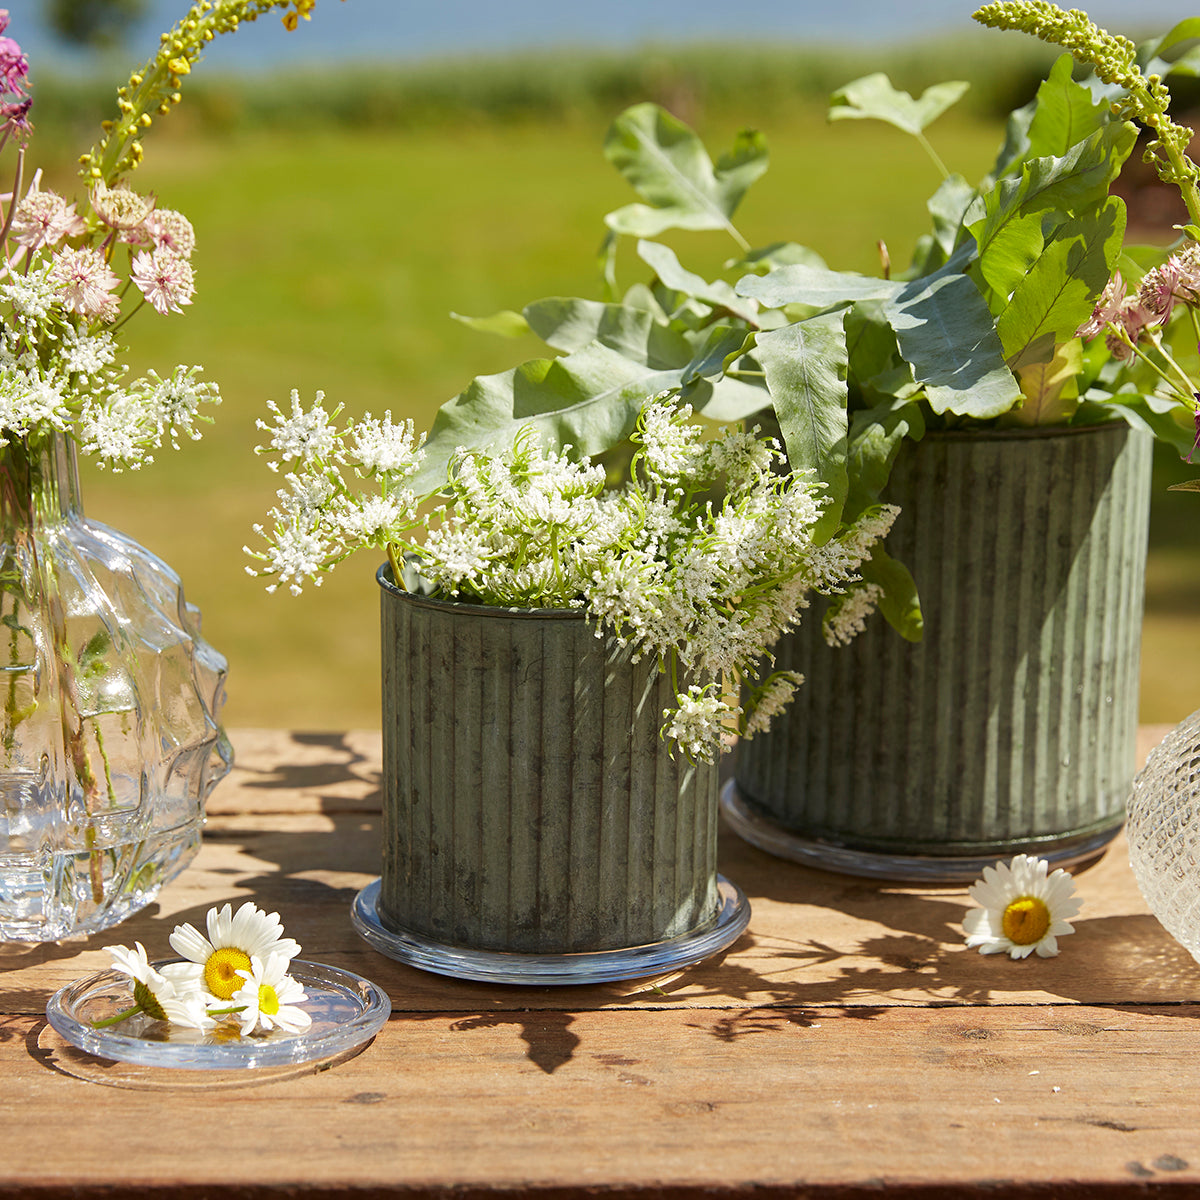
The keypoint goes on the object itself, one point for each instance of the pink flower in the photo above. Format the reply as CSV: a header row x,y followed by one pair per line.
x,y
120,208
1107,309
85,282
165,279
14,67
1177,281
172,231
44,219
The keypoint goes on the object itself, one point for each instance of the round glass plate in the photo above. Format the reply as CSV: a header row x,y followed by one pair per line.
x,y
346,1010
540,970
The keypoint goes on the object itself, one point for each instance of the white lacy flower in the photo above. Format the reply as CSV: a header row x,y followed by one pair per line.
x,y
698,723
173,404
305,435
381,448
30,295
1023,911
81,354
374,519
774,696
268,997
296,554
233,940
847,615
116,430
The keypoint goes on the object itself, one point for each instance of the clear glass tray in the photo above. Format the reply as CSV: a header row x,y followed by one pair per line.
x,y
346,1010
542,970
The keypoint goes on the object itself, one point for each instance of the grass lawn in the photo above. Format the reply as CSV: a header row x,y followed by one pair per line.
x,y
332,261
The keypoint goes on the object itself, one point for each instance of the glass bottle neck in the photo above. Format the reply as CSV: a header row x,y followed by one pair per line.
x,y
39,481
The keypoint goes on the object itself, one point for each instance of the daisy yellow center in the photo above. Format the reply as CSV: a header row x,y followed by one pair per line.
x,y
268,1000
221,971
1026,921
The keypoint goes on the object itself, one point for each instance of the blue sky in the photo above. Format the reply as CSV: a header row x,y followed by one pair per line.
x,y
401,29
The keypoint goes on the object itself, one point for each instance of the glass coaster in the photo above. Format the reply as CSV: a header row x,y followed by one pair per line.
x,y
346,1010
760,831
541,970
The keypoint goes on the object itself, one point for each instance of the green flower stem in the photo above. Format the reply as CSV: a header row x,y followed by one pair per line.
x,y
1187,393
397,572
117,1018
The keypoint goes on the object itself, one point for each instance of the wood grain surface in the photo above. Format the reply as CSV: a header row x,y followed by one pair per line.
x,y
848,1044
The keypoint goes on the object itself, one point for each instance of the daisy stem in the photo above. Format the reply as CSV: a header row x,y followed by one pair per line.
x,y
117,1018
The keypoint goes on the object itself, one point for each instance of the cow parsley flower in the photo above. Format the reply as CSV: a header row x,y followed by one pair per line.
x,y
268,997
700,560
698,721
303,435
381,448
234,939
1023,909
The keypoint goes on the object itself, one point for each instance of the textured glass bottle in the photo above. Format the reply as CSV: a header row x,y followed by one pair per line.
x,y
109,742
1164,832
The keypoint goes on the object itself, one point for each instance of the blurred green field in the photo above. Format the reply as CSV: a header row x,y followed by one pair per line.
x,y
331,259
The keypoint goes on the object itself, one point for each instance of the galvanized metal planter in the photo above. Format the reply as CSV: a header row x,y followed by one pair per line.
x,y
536,827
1011,726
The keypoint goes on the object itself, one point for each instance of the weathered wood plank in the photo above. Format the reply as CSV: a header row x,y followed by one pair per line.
x,y
850,1099
815,938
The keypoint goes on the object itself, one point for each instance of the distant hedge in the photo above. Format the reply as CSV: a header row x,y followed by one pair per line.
x,y
694,81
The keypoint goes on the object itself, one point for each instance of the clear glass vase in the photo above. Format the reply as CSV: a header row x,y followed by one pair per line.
x,y
1163,829
109,742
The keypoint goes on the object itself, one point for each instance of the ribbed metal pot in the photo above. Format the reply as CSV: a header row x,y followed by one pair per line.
x,y
1012,725
529,802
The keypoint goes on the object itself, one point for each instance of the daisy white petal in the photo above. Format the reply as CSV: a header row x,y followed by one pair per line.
x,y
1024,909
233,940
188,1012
269,997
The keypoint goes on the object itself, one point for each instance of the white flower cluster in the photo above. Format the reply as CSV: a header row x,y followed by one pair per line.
x,y
236,975
522,527
59,307
708,586
701,560
320,517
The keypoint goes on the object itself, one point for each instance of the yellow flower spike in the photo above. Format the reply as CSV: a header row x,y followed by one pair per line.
x,y
135,79
179,66
290,21
145,120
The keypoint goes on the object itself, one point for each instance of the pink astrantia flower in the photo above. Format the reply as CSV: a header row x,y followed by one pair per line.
x,y
1107,309
170,230
44,219
120,208
164,278
85,282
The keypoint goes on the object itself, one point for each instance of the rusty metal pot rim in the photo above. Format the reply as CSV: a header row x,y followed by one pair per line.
x,y
383,577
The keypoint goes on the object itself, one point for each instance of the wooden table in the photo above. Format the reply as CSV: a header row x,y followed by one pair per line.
x,y
848,1043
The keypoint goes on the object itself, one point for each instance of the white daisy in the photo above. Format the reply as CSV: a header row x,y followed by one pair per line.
x,y
233,941
1023,909
155,995
269,997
